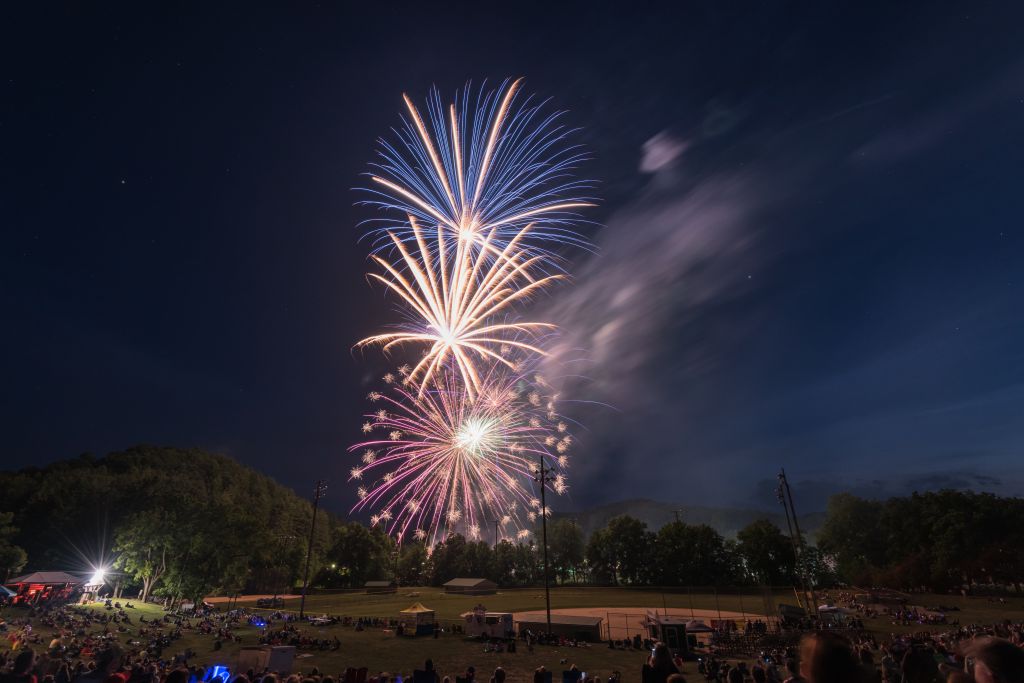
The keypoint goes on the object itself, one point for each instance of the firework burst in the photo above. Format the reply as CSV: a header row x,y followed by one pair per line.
x,y
456,296
457,461
482,174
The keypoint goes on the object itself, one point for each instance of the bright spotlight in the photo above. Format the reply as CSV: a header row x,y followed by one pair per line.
x,y
98,577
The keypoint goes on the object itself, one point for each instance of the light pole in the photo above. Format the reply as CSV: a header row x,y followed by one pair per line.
x,y
321,489
542,478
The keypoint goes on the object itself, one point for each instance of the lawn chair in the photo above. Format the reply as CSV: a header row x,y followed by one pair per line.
x,y
572,676
350,675
361,674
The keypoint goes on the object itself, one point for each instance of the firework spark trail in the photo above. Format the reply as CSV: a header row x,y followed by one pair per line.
x,y
455,301
443,459
510,170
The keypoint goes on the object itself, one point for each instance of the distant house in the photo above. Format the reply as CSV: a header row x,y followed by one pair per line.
x,y
380,587
470,587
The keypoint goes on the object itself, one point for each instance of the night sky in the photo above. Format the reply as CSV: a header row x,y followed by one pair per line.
x,y
809,248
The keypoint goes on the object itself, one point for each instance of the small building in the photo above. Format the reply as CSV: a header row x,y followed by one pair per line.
x,y
380,587
671,631
417,620
37,586
470,587
587,629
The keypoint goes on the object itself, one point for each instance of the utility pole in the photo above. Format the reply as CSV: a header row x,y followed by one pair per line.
x,y
321,489
785,495
677,513
542,478
495,522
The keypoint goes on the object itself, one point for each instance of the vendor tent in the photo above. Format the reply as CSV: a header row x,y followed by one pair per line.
x,y
417,620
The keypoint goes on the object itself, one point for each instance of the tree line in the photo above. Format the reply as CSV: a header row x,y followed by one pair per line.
x,y
182,524
944,540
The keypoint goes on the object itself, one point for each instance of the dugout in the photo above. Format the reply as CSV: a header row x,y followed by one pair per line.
x,y
587,629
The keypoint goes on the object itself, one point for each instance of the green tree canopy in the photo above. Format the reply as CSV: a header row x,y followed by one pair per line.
x,y
766,553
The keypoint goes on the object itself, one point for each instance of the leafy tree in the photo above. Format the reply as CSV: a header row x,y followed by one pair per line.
x,y
12,557
691,555
413,564
565,548
621,551
359,555
601,558
851,535
766,553
817,567
143,544
527,570
253,529
479,560
506,566
940,540
449,559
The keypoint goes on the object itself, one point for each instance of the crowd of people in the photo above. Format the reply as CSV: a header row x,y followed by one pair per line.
x,y
119,645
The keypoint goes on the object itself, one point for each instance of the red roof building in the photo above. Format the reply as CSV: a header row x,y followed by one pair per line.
x,y
39,586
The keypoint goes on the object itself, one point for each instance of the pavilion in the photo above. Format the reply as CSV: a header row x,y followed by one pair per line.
x,y
38,586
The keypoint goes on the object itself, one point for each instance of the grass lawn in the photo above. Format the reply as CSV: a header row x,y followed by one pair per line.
x,y
380,652
452,654
449,607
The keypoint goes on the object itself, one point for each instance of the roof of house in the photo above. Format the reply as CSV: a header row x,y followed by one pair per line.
x,y
46,578
469,583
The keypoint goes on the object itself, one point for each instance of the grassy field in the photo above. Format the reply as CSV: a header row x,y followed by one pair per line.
x,y
381,651
449,607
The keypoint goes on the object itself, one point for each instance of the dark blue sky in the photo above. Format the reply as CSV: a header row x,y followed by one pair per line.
x,y
828,275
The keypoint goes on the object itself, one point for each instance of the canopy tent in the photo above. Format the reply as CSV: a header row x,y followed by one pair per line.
x,y
418,619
